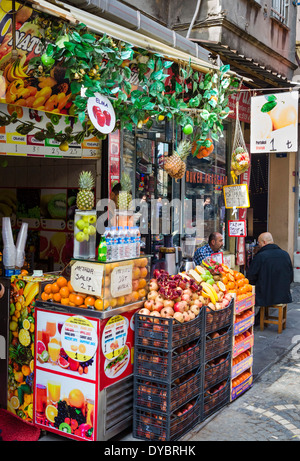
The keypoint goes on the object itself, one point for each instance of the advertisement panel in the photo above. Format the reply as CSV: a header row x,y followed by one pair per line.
x,y
274,123
66,377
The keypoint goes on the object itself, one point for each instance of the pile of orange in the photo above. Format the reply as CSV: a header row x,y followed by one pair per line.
x,y
236,282
61,291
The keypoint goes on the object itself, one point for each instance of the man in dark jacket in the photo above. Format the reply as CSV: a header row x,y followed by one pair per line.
x,y
271,272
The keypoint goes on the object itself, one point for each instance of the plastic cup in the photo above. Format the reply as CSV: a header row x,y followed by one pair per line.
x,y
7,234
22,237
9,256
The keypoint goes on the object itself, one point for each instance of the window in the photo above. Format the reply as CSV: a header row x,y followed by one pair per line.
x,y
279,10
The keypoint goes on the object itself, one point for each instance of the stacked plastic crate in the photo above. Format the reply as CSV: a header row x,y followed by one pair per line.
x,y
242,348
217,357
168,377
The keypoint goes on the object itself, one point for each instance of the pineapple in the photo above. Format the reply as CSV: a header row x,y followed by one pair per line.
x,y
85,196
175,165
124,197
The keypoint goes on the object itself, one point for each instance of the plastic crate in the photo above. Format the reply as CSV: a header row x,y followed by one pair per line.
x,y
167,365
216,397
217,370
165,333
214,320
151,425
218,345
167,397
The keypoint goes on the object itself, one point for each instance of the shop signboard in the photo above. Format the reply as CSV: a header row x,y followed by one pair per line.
x,y
274,123
66,374
236,196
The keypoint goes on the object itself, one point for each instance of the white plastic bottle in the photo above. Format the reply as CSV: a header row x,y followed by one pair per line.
x,y
138,241
108,239
127,249
132,242
121,254
114,239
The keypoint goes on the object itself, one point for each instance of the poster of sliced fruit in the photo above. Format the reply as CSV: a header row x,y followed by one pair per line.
x,y
14,143
23,294
66,373
274,123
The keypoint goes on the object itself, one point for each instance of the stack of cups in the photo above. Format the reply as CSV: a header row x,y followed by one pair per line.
x,y
20,247
9,249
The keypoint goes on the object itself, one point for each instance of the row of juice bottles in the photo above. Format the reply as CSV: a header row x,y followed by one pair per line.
x,y
119,243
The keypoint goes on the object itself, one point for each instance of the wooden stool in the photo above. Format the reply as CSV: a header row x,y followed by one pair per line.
x,y
265,318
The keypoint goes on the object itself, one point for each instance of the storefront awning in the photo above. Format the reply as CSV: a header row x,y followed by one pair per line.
x,y
246,66
103,26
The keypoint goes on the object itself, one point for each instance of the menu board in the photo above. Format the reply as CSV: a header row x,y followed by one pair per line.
x,y
66,374
14,143
236,196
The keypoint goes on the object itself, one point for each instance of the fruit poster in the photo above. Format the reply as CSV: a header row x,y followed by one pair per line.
x,y
274,123
66,374
117,348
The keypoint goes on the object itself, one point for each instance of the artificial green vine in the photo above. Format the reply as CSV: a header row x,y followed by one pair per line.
x,y
101,64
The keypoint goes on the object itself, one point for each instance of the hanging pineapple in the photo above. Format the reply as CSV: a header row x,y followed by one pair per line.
x,y
85,196
175,165
124,197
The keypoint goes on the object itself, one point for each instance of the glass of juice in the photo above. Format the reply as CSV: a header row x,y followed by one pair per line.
x,y
53,391
53,349
51,328
41,398
45,337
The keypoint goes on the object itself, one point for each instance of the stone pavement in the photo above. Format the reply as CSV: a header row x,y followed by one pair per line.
x,y
270,410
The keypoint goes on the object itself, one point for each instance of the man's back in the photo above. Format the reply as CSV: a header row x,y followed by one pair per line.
x,y
271,272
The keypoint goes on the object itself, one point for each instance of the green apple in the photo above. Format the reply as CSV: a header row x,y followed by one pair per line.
x,y
80,237
47,60
188,129
91,230
92,219
80,224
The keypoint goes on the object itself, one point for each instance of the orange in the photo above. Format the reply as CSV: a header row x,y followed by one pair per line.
x,y
143,272
89,301
225,280
135,273
283,115
142,283
230,285
72,297
65,301
64,292
120,301
134,296
76,398
142,293
45,296
48,288
55,288
70,286
99,304
62,281
78,300
57,297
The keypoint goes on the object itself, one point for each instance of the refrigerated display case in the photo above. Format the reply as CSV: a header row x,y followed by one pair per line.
x,y
84,356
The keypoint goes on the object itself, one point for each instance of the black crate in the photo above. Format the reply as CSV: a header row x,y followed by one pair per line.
x,y
167,397
215,398
152,425
166,366
166,333
217,370
214,320
218,345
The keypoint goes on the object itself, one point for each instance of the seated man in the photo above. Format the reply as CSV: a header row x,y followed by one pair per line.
x,y
214,245
271,272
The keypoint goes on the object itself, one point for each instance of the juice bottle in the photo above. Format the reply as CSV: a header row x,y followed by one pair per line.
x,y
102,249
132,242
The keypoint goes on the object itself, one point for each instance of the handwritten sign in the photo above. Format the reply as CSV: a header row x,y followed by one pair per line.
x,y
87,277
121,281
236,196
237,228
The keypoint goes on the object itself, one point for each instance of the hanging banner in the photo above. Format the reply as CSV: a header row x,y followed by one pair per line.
x,y
274,123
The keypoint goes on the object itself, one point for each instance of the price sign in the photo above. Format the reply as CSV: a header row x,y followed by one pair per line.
x,y
121,281
236,196
218,257
237,228
79,338
87,277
